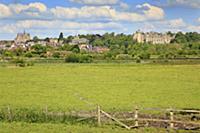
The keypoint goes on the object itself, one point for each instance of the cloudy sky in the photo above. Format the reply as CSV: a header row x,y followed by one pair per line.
x,y
50,17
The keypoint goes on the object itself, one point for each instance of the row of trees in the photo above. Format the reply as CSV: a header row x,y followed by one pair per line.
x,y
129,51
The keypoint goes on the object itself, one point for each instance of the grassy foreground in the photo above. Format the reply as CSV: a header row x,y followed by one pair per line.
x,y
61,128
113,86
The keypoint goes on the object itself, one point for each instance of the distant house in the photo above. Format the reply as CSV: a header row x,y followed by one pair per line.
x,y
85,47
99,49
6,44
79,41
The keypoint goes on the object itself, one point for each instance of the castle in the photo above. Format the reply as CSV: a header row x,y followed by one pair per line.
x,y
152,37
79,41
22,37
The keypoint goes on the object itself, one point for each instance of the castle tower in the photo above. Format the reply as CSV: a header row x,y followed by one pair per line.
x,y
139,37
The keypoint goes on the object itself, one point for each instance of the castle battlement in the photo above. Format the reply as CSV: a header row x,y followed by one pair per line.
x,y
152,37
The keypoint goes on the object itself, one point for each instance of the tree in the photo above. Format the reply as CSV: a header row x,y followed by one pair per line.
x,y
180,38
39,49
56,55
47,39
61,37
35,39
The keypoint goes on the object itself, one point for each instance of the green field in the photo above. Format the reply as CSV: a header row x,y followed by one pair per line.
x,y
62,128
113,86
62,87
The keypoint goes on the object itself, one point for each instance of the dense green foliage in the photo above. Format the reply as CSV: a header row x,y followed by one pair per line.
x,y
34,115
190,37
78,58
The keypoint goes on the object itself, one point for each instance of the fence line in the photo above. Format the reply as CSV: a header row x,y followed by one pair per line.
x,y
135,116
171,120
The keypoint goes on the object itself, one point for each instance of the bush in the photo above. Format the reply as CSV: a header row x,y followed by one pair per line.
x,y
8,53
75,58
29,55
20,62
144,55
138,60
123,57
30,63
85,59
56,55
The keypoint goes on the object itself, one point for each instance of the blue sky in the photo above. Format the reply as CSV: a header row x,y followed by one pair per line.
x,y
50,17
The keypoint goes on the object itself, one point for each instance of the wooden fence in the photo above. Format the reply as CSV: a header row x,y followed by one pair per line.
x,y
171,121
137,118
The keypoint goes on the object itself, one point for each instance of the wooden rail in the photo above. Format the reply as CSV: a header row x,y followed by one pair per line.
x,y
113,118
171,120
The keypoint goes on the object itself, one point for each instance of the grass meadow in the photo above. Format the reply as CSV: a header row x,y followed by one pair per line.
x,y
113,86
62,128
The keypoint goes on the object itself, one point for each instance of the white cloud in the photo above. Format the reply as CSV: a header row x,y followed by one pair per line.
x,y
176,23
198,20
152,12
124,5
92,12
171,24
165,25
193,28
4,11
96,2
86,13
32,9
58,25
147,27
18,8
190,3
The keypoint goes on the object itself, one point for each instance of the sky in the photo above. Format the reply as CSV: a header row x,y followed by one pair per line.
x,y
47,18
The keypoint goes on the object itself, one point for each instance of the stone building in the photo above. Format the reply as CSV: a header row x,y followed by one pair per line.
x,y
152,37
22,38
79,41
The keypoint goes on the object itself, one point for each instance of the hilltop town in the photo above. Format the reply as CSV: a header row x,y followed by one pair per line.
x,y
24,40
109,46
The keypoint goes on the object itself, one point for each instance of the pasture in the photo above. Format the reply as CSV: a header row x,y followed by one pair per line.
x,y
113,86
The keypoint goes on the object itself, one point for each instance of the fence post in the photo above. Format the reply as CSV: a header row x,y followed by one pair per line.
x,y
98,115
171,119
136,117
9,114
46,113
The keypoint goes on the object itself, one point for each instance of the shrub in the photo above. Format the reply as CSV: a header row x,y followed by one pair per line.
x,y
123,57
29,55
72,58
85,59
78,58
56,55
138,60
39,49
30,63
144,55
20,62
8,54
